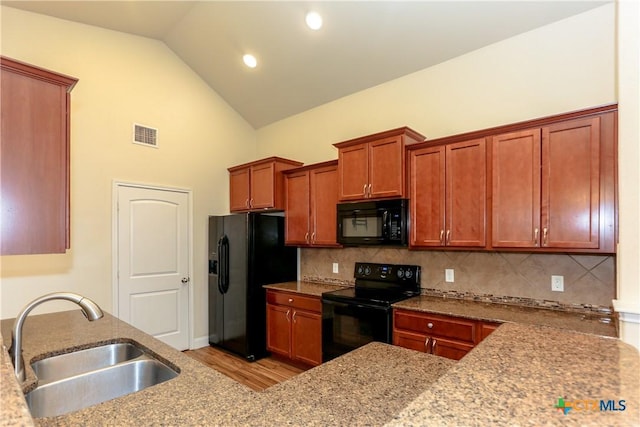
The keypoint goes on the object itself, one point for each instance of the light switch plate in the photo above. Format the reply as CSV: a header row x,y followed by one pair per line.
x,y
557,283
335,267
448,275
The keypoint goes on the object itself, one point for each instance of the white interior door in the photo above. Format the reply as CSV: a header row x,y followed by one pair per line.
x,y
153,262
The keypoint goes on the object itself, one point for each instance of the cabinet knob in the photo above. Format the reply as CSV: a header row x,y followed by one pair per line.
x,y
430,325
290,299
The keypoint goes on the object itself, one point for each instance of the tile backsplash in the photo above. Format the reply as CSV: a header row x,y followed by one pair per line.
x,y
588,279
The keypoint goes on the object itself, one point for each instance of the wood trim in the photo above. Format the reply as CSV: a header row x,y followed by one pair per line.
x,y
403,131
39,73
329,163
518,126
294,163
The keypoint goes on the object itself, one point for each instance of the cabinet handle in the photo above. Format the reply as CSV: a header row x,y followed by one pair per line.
x,y
544,236
294,316
535,236
369,190
313,237
430,325
364,190
288,311
251,203
246,203
448,239
433,346
441,236
426,344
306,237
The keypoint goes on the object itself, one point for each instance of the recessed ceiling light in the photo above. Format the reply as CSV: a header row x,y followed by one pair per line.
x,y
250,61
314,20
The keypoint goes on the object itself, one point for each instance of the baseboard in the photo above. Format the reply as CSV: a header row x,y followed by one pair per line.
x,y
628,321
200,342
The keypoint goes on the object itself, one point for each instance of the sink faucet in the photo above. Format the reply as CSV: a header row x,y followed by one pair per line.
x,y
89,308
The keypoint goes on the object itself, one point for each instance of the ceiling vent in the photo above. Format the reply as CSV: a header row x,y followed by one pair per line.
x,y
145,135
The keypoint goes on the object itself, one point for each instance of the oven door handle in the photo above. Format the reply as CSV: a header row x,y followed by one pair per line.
x,y
352,304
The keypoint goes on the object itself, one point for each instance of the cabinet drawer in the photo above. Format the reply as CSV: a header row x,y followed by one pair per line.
x,y
434,325
295,300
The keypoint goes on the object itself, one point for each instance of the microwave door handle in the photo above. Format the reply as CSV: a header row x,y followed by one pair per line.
x,y
385,218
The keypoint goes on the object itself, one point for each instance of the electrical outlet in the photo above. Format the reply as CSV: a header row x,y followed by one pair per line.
x,y
448,275
335,267
557,283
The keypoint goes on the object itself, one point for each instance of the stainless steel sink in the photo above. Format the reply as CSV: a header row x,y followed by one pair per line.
x,y
70,364
76,380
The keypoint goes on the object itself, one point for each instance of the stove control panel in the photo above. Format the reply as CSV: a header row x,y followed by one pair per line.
x,y
395,273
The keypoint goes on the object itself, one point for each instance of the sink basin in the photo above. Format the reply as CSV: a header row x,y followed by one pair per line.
x,y
93,376
70,364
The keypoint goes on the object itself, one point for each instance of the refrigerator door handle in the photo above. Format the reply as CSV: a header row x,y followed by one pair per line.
x,y
223,283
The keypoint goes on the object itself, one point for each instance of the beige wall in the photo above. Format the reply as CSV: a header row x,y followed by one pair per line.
x,y
123,79
628,302
564,66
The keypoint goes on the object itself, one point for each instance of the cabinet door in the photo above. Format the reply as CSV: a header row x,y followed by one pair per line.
x,y
306,337
571,184
516,189
353,172
466,197
239,190
386,177
427,196
450,349
486,328
410,340
278,329
297,208
262,186
34,178
323,199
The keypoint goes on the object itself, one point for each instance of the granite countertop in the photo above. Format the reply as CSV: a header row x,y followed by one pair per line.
x,y
591,323
516,375
367,386
306,288
513,377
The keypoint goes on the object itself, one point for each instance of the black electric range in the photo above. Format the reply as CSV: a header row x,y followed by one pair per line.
x,y
353,317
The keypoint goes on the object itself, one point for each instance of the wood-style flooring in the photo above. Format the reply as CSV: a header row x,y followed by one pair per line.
x,y
257,375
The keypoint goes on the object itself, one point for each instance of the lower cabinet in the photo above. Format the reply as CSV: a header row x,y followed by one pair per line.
x,y
446,336
294,326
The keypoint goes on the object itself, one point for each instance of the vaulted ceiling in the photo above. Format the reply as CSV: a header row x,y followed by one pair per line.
x,y
361,43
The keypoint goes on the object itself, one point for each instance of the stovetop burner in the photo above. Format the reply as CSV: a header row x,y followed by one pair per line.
x,y
379,284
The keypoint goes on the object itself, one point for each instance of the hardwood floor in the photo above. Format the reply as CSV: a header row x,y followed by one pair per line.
x,y
257,375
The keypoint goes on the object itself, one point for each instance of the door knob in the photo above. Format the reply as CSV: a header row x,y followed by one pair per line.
x,y
185,280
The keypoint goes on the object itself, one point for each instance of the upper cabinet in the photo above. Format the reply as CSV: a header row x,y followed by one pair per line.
x,y
373,167
258,185
310,206
448,194
553,186
34,159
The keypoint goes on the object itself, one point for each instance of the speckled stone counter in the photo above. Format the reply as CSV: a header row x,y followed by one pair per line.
x,y
367,386
306,288
591,323
516,375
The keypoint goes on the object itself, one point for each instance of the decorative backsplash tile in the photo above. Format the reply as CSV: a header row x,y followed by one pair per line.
x,y
589,280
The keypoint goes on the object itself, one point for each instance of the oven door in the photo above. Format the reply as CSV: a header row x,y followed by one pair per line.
x,y
347,326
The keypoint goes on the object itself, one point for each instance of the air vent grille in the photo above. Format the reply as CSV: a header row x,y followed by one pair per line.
x,y
145,135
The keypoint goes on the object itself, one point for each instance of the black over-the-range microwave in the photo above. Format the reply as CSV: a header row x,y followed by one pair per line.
x,y
381,222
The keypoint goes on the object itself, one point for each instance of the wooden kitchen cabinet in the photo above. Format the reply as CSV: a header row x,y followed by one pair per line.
x,y
553,186
310,205
294,326
448,194
373,166
258,185
446,336
34,134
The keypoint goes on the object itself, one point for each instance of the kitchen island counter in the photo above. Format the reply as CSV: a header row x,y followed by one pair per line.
x,y
515,376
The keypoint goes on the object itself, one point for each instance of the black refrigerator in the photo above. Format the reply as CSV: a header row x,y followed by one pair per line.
x,y
246,251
